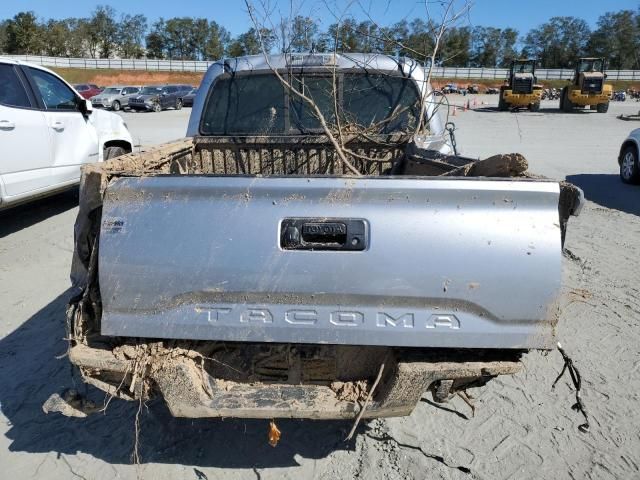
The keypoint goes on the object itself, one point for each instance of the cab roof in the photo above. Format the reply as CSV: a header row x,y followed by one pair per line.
x,y
341,61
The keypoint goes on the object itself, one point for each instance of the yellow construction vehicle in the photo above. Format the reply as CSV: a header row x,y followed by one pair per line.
x,y
521,90
587,87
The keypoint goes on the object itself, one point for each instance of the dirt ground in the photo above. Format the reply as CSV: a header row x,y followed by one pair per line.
x,y
522,428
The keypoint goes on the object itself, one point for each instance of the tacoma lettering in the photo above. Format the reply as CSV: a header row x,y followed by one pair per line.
x,y
310,316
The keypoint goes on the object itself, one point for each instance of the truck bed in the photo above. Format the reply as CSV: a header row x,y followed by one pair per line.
x,y
251,278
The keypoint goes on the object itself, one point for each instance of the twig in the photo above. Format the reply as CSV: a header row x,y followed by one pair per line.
x,y
465,398
366,403
136,445
577,383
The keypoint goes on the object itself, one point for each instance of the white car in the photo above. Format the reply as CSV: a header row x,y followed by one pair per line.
x,y
47,131
629,158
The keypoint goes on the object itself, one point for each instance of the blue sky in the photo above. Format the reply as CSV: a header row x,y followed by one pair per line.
x,y
232,15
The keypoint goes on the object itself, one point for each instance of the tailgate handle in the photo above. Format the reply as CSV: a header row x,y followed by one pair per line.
x,y
323,234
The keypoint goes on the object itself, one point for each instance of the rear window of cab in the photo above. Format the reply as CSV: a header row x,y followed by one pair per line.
x,y
259,104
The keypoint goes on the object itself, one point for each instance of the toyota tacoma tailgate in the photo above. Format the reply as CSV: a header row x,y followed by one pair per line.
x,y
463,263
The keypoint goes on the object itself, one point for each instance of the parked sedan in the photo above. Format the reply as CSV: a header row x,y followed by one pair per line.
x,y
115,97
87,90
158,98
188,99
450,88
628,158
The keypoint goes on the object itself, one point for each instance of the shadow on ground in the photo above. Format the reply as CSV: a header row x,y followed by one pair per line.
x,y
24,216
609,191
30,371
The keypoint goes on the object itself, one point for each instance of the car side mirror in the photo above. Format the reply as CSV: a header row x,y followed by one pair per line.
x,y
85,106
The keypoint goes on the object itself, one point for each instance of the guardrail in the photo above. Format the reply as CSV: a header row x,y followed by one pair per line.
x,y
468,73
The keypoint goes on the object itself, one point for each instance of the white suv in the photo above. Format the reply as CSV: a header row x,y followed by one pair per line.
x,y
47,131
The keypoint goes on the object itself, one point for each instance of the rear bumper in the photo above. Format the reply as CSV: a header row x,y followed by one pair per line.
x,y
522,99
140,106
578,98
190,391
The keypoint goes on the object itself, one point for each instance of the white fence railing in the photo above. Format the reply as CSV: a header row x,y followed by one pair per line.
x,y
116,63
202,66
541,73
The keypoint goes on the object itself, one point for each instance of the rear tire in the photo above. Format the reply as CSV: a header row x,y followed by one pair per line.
x,y
502,105
116,106
567,106
629,167
113,152
603,107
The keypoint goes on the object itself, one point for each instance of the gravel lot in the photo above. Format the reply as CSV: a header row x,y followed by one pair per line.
x,y
521,429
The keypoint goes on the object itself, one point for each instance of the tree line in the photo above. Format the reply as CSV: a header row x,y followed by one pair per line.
x,y
107,34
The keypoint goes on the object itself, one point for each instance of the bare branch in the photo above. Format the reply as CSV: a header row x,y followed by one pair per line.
x,y
309,101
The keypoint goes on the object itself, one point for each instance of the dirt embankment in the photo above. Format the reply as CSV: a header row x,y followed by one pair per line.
x,y
105,77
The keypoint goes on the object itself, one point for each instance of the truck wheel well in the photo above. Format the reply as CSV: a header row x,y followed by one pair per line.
x,y
624,146
118,143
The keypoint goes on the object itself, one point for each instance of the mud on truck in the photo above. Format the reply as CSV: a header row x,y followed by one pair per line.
x,y
265,267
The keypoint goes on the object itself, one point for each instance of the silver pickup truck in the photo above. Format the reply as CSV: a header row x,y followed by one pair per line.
x,y
249,271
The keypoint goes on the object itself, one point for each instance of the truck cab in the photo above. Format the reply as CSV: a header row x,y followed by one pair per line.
x,y
47,131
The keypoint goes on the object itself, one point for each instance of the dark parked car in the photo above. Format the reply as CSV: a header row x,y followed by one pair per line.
x,y
188,99
450,88
87,90
157,97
